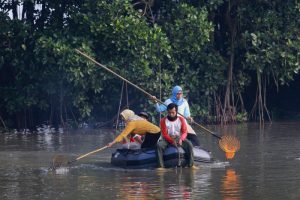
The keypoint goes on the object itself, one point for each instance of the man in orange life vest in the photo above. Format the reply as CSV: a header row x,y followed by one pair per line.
x,y
174,132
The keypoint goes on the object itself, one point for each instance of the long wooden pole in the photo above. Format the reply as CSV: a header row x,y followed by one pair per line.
x,y
87,154
137,87
60,160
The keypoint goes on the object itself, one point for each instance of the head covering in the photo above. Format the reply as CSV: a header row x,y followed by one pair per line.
x,y
143,114
126,114
175,90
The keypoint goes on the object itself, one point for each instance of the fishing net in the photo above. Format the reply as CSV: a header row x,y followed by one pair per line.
x,y
230,145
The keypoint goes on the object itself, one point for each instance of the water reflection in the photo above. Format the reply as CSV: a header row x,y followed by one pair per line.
x,y
231,187
170,184
178,184
135,189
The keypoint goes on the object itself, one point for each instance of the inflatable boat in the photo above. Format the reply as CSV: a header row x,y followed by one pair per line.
x,y
146,158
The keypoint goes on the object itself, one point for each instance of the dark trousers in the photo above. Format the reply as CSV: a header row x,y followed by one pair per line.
x,y
150,140
186,145
193,139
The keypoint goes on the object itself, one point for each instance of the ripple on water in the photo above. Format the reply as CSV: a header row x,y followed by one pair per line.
x,y
62,170
58,171
106,166
215,164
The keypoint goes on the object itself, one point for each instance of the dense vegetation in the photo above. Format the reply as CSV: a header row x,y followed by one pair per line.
x,y
226,54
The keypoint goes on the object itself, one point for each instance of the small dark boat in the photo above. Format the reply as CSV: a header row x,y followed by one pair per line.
x,y
146,158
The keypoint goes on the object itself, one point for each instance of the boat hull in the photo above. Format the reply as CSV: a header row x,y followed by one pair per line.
x,y
146,158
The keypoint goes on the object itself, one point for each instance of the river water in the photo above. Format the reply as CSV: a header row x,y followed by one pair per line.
x,y
266,167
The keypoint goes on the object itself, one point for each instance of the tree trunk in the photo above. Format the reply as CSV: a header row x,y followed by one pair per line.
x,y
14,5
61,103
229,110
260,103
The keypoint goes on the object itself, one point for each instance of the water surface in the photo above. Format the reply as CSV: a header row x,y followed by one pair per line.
x,y
266,167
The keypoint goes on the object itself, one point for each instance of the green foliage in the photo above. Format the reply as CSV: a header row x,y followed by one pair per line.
x,y
187,43
198,68
272,40
124,41
242,117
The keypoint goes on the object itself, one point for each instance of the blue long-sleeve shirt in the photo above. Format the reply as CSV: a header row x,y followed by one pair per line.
x,y
183,109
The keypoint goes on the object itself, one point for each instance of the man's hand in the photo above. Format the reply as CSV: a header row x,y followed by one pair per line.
x,y
174,143
110,144
154,99
191,119
138,139
180,142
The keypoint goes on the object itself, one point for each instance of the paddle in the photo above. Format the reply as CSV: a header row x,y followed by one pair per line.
x,y
60,160
229,144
